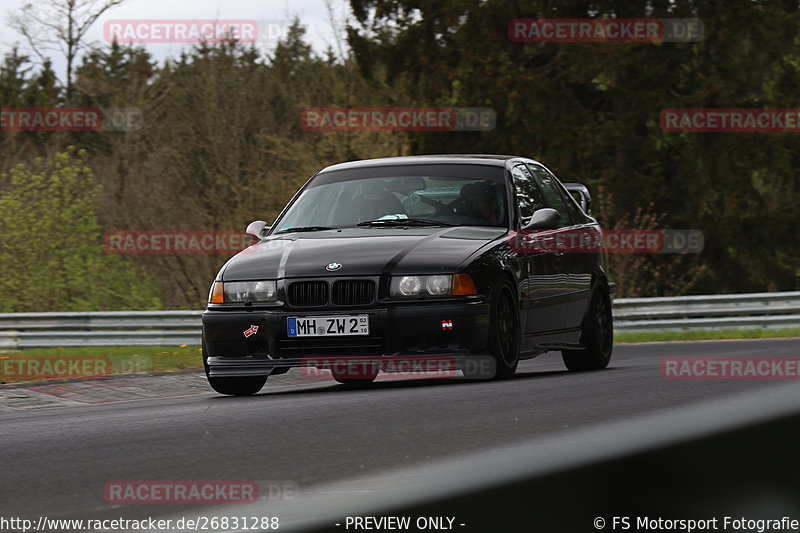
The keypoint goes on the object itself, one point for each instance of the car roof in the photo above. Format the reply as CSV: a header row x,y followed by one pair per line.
x,y
482,159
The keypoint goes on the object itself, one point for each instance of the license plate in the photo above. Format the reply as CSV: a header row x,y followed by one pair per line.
x,y
327,326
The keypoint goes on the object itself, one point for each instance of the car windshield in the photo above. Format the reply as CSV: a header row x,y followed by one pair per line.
x,y
446,195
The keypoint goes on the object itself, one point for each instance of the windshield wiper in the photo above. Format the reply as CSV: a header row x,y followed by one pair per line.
x,y
303,228
404,222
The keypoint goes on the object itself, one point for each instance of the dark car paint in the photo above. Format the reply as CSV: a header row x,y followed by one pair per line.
x,y
553,289
361,251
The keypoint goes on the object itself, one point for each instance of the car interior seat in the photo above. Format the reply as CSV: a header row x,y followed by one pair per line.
x,y
373,202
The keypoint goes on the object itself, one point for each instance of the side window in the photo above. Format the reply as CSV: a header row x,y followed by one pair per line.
x,y
529,198
578,217
552,194
573,205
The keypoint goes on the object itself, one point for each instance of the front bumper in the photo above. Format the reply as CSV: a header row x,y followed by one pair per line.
x,y
409,329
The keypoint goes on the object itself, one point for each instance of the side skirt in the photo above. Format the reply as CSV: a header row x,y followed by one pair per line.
x,y
569,339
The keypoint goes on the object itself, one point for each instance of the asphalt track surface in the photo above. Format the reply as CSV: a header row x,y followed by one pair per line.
x,y
56,461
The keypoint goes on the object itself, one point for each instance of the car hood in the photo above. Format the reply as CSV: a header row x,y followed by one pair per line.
x,y
360,251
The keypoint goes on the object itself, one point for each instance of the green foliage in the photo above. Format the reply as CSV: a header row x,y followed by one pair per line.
x,y
51,250
222,143
590,111
122,359
23,86
704,334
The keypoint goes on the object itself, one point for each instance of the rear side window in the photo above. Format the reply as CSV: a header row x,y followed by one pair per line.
x,y
552,194
529,198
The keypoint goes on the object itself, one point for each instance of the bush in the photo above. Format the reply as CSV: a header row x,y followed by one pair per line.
x,y
51,249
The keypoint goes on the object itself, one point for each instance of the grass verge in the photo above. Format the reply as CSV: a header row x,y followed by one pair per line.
x,y
705,334
36,364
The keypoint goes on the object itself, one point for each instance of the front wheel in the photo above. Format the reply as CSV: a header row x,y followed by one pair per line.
x,y
598,335
504,332
355,376
232,386
355,381
237,386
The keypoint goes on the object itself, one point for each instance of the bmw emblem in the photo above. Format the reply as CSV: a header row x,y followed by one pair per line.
x,y
332,267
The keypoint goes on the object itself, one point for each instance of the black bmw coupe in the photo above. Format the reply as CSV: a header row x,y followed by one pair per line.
x,y
414,260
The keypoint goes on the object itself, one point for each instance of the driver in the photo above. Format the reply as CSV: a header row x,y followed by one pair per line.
x,y
481,201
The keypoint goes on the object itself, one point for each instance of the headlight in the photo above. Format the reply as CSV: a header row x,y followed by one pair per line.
x,y
243,291
411,286
264,291
438,285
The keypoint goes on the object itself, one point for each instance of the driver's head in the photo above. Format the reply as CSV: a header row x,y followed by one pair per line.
x,y
482,197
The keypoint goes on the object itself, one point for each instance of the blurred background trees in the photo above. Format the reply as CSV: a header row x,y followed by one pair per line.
x,y
52,254
222,142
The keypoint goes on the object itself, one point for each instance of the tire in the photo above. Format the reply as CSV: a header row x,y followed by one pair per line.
x,y
355,381
504,340
237,386
233,386
355,378
597,336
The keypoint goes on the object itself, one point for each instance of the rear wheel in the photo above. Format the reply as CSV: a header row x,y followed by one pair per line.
x,y
598,335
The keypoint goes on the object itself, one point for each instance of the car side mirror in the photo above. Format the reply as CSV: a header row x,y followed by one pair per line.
x,y
581,194
545,218
258,228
